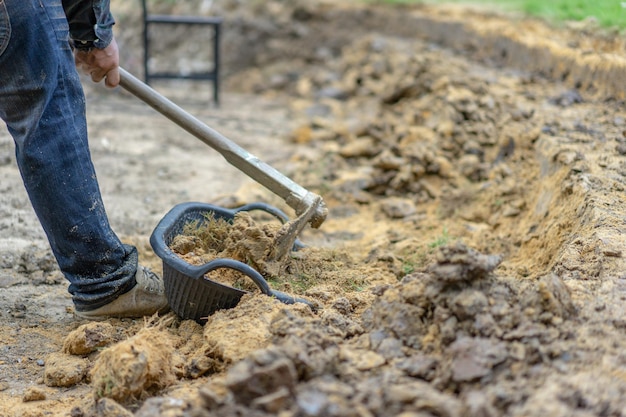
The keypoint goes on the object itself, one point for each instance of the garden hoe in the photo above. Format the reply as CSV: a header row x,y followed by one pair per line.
x,y
309,207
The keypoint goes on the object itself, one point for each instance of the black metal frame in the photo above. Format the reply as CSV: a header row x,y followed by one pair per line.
x,y
214,22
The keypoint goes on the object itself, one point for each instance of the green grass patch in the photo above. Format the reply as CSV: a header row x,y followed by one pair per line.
x,y
441,240
416,259
607,13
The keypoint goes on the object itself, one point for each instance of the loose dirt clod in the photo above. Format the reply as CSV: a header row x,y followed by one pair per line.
x,y
134,367
88,338
63,370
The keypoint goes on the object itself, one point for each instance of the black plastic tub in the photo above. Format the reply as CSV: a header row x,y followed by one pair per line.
x,y
189,293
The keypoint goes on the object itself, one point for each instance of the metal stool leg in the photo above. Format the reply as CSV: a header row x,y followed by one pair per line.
x,y
216,68
214,22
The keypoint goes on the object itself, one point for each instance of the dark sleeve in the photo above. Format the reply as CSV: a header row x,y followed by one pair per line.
x,y
91,23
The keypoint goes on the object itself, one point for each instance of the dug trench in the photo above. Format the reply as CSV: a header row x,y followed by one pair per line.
x,y
471,263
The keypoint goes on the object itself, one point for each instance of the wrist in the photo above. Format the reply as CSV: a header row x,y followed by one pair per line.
x,y
82,45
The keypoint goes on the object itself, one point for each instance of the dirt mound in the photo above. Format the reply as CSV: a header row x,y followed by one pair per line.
x,y
433,334
446,150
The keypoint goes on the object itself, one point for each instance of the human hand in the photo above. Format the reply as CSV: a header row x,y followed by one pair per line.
x,y
100,64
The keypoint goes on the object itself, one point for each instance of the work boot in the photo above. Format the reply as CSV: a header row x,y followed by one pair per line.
x,y
144,299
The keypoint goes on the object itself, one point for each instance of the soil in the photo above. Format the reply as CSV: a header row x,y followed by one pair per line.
x,y
472,262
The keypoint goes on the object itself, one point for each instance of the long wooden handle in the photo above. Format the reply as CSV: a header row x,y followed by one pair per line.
x,y
294,195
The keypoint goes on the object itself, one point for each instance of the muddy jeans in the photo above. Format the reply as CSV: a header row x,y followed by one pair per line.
x,y
43,106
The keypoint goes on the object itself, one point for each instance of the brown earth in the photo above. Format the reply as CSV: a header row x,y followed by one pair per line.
x,y
472,263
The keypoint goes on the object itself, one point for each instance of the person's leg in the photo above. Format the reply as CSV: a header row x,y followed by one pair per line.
x,y
43,105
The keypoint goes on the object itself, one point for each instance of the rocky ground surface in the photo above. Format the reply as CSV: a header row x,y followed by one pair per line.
x,y
472,262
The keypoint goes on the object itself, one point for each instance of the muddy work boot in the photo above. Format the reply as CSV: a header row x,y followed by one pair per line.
x,y
144,299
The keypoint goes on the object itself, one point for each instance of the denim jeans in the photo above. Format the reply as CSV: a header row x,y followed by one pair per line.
x,y
43,106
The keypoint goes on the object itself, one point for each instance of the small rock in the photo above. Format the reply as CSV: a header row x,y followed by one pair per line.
x,y
478,404
19,310
248,382
312,403
390,348
398,208
487,326
106,407
210,399
510,211
63,370
333,92
362,360
401,393
468,304
556,296
387,160
274,402
200,365
34,394
471,167
340,323
359,147
5,159
419,366
161,406
473,358
342,305
567,98
7,281
457,263
423,399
